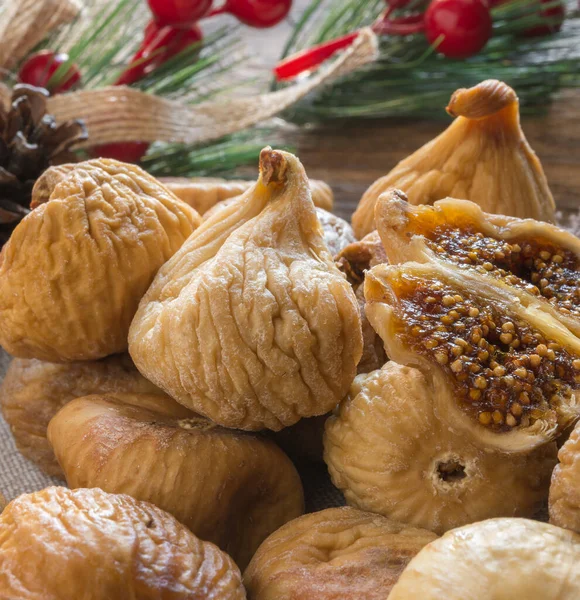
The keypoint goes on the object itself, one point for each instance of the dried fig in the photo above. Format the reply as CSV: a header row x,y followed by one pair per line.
x,y
33,391
229,487
336,231
251,324
75,268
565,487
354,260
504,373
389,454
59,544
497,559
483,156
335,553
203,193
540,263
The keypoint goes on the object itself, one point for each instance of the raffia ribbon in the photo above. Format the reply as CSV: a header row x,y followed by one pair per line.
x,y
121,114
116,114
25,23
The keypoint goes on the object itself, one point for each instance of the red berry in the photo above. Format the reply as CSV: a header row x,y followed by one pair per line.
x,y
258,13
130,152
159,45
555,17
40,67
465,25
179,12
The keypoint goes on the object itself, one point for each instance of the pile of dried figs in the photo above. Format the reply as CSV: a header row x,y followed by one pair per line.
x,y
176,342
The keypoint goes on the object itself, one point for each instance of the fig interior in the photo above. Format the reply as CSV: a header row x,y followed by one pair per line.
x,y
505,372
536,265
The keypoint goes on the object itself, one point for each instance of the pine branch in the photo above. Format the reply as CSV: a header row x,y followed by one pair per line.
x,y
101,43
222,158
410,79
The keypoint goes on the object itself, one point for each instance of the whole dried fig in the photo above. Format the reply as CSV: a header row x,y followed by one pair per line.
x,y
564,504
203,193
482,156
336,231
540,263
335,553
229,487
251,324
33,391
354,261
497,559
59,544
503,373
75,268
389,454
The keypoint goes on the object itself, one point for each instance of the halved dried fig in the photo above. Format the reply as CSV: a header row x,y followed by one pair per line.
x,y
354,261
497,559
540,263
501,372
251,324
482,156
565,487
389,454
59,544
33,391
228,487
75,268
203,193
335,553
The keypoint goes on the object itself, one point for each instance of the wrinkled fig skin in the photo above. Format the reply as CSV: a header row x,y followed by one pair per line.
x,y
206,193
497,559
483,156
338,234
229,487
59,544
33,391
75,268
335,553
251,324
389,454
354,260
539,262
564,503
502,373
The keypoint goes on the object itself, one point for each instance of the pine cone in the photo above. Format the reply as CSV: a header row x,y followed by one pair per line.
x,y
30,142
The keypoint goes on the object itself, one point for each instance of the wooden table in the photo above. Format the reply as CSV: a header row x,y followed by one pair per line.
x,y
350,156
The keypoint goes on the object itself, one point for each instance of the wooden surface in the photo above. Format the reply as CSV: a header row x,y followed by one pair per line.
x,y
350,156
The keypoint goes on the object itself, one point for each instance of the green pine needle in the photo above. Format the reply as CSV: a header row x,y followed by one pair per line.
x,y
101,42
223,158
411,79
